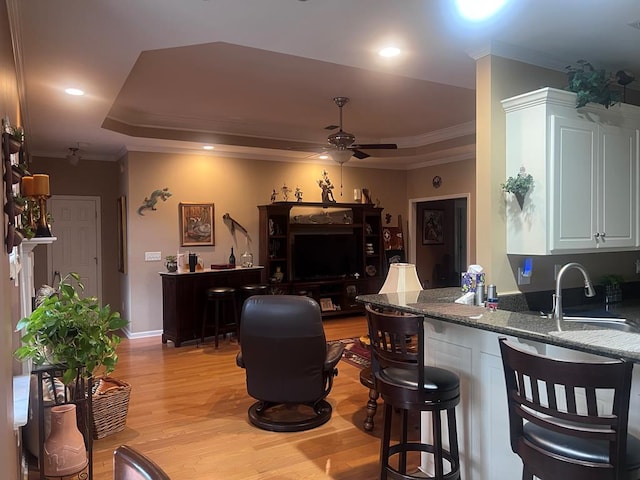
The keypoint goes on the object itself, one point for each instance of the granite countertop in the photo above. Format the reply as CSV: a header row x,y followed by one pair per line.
x,y
439,304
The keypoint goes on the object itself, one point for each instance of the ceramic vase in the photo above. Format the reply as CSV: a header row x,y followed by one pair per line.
x,y
64,449
172,265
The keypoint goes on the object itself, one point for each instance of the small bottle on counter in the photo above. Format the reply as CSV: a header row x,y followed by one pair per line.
x,y
232,258
480,294
492,297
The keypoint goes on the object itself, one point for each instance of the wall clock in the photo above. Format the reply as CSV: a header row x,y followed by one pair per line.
x,y
437,181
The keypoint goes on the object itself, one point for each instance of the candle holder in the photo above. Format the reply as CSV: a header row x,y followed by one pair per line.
x,y
38,189
42,228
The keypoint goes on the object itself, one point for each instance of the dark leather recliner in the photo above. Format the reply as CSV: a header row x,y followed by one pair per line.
x,y
289,365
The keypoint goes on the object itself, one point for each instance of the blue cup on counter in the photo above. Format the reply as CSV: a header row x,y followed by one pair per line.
x,y
193,261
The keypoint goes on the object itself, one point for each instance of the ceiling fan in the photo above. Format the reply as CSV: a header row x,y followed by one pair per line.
x,y
343,143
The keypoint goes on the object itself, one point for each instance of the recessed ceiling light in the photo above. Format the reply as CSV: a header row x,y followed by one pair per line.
x,y
74,91
208,147
323,157
389,52
476,11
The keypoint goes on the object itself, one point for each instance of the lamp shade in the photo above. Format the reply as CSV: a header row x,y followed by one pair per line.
x,y
402,277
40,185
402,280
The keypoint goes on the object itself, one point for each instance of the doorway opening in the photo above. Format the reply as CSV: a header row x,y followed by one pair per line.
x,y
440,237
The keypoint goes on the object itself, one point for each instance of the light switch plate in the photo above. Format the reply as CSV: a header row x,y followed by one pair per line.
x,y
152,256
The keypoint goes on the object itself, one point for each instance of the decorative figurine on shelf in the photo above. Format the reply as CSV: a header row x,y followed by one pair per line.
x,y
151,201
273,195
366,195
298,194
285,192
325,184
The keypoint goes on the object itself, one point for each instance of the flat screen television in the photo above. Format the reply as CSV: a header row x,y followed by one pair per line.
x,y
319,256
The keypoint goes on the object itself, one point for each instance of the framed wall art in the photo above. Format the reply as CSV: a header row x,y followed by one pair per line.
x,y
196,224
432,231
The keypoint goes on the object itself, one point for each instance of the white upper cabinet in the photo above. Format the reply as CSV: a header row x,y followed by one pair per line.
x,y
584,164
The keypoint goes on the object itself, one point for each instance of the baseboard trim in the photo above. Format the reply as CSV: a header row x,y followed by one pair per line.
x,y
149,333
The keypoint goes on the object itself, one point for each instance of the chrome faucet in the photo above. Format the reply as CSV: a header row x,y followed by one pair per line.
x,y
557,297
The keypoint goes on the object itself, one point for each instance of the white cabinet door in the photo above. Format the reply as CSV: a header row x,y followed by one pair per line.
x,y
616,187
573,201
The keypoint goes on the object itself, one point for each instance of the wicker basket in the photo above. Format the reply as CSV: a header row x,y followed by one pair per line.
x,y
110,404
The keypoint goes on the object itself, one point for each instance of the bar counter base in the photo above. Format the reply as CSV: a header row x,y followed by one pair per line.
x,y
183,299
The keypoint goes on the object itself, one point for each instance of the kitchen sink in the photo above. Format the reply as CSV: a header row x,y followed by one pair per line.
x,y
597,317
604,322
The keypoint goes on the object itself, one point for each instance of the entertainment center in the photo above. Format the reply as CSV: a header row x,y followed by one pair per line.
x,y
328,251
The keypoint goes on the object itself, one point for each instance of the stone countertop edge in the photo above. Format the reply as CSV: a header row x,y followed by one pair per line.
x,y
214,270
439,304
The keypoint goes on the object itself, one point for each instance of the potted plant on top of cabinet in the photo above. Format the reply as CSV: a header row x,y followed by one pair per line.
x,y
591,85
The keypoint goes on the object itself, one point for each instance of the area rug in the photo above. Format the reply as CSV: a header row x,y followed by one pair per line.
x,y
355,353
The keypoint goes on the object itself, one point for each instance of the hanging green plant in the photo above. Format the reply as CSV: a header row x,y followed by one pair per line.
x,y
591,85
518,185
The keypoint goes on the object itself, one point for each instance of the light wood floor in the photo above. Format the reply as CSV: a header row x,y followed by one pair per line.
x,y
188,412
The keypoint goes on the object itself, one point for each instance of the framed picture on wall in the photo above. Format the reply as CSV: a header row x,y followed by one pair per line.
x,y
196,224
432,231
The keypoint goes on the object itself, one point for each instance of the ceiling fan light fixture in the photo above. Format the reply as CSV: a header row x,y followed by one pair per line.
x,y
73,156
341,155
341,139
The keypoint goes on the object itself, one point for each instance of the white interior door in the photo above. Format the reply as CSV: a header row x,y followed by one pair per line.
x,y
76,226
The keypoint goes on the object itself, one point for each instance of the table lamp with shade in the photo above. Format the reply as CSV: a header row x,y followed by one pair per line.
x,y
38,189
402,279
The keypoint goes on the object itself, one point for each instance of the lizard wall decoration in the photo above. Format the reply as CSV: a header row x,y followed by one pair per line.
x,y
151,201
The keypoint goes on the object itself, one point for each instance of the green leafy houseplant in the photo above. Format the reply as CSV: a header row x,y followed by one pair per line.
x,y
71,331
518,185
591,85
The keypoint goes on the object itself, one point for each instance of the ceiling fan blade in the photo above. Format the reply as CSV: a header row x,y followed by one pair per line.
x,y
373,146
360,155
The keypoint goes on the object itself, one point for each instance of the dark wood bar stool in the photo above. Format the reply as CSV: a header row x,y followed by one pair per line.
x,y
247,291
558,422
366,379
406,385
222,302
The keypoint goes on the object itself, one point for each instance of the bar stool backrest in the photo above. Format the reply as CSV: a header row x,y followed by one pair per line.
x,y
564,402
397,342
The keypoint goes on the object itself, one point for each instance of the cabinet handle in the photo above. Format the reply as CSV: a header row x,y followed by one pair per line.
x,y
603,234
596,235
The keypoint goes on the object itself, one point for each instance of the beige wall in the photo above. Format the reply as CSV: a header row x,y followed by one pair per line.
x,y
9,108
91,178
236,186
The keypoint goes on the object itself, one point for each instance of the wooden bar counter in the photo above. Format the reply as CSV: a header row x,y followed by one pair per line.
x,y
183,298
